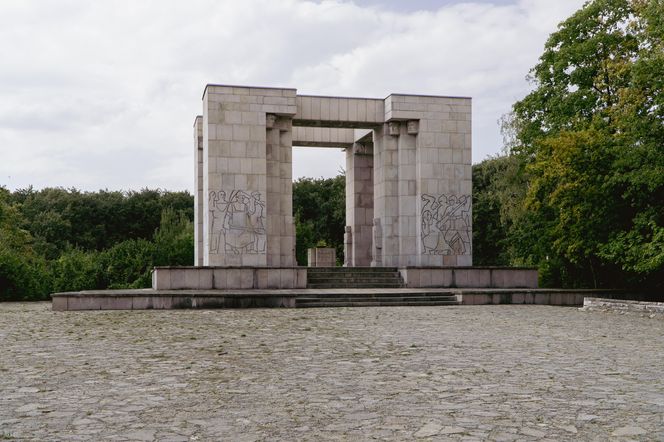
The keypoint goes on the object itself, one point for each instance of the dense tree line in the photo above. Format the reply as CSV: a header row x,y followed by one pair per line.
x,y
58,240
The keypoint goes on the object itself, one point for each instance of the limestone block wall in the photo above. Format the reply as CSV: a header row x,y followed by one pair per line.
x,y
338,111
323,136
238,210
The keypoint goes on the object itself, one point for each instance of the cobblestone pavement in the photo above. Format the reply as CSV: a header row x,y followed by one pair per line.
x,y
442,373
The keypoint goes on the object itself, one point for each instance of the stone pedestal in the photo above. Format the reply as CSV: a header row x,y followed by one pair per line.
x,y
322,257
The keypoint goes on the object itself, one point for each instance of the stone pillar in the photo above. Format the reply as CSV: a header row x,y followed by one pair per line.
x,y
408,217
273,192
423,180
377,249
444,182
198,191
311,257
386,193
280,224
287,246
243,223
348,242
359,202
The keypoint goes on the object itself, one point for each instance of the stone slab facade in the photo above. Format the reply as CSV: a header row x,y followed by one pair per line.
x,y
408,178
538,297
466,277
223,278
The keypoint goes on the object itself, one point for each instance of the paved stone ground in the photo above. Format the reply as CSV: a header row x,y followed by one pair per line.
x,y
445,373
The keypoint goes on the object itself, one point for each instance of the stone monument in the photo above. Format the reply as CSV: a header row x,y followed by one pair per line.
x,y
408,202
408,175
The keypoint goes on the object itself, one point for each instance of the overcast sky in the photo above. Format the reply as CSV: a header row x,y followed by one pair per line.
x,y
103,94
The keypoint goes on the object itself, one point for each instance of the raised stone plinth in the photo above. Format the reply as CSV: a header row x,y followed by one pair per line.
x,y
246,287
321,257
148,299
470,277
223,278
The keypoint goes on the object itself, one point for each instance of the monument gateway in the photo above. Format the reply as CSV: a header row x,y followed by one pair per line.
x,y
408,176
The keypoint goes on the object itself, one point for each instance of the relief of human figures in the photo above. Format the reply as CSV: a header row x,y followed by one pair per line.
x,y
446,222
237,222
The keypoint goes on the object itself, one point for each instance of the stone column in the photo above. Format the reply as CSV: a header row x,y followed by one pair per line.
x,y
359,203
408,217
280,224
198,191
273,192
386,193
287,246
348,243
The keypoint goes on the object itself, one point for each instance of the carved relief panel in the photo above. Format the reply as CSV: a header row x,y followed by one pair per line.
x,y
446,225
237,222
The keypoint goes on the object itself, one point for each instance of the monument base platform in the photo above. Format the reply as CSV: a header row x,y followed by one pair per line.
x,y
224,278
150,299
147,299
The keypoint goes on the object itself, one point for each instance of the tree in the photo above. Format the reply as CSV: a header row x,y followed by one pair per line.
x,y
22,271
319,209
591,133
489,232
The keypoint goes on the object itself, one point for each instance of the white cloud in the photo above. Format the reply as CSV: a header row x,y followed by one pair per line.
x,y
103,94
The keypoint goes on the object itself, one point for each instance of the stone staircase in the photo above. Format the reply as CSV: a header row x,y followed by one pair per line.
x,y
365,287
353,277
373,298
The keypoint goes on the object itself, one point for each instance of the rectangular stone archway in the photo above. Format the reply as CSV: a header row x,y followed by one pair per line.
x,y
408,182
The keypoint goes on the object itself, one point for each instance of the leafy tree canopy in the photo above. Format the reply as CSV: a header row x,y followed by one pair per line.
x,y
592,135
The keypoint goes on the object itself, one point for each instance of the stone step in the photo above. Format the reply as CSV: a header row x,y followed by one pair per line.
x,y
339,294
353,277
376,303
331,274
344,270
354,285
378,299
389,300
350,279
314,270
